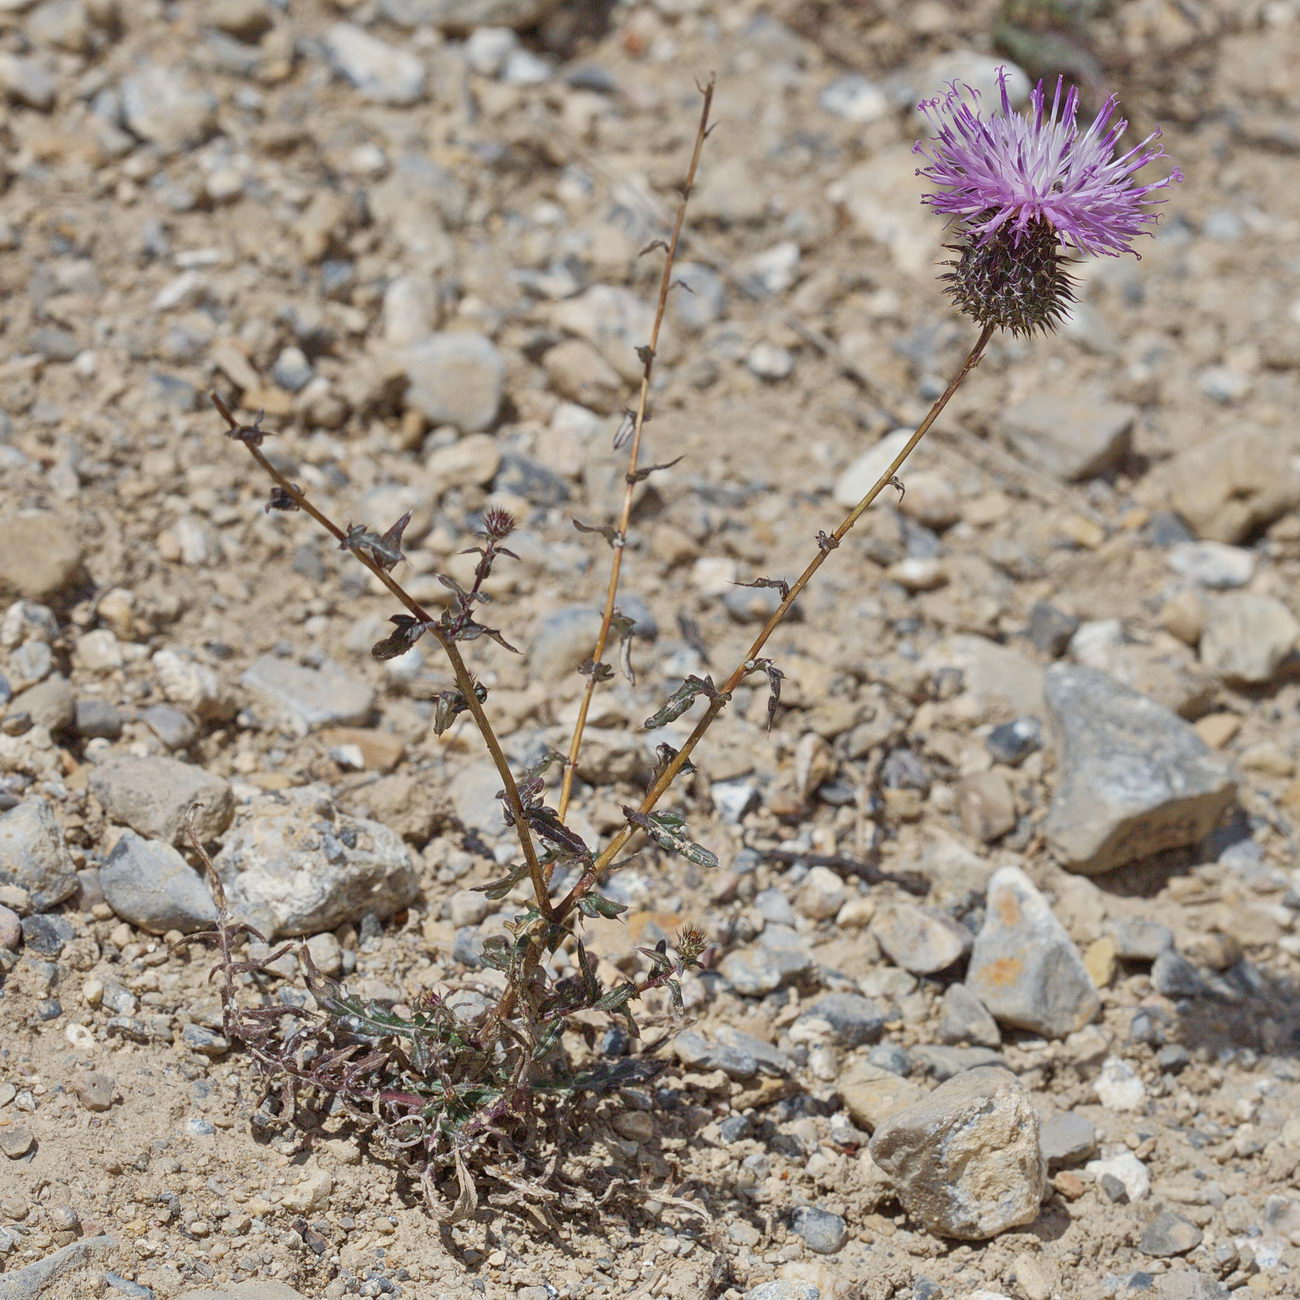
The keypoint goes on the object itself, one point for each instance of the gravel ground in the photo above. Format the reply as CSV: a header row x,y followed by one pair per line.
x,y
1051,693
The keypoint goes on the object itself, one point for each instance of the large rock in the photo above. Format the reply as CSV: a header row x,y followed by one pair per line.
x,y
965,1161
458,17
259,1289
456,377
33,854
1247,636
307,698
154,796
920,939
383,73
1134,778
149,884
1069,433
1234,484
39,555
162,105
1024,968
1001,680
294,864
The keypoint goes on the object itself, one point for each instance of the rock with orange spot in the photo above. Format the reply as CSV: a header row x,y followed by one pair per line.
x,y
1024,967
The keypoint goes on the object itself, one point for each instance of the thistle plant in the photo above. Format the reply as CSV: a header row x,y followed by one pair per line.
x,y
467,1092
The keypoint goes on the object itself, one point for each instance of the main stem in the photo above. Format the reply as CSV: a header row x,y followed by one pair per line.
x,y
633,456
464,682
746,665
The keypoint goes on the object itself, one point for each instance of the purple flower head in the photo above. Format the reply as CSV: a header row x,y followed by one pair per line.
x,y
1015,170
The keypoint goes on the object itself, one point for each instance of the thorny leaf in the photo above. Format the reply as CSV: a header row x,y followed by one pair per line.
x,y
282,500
645,354
546,823
652,245
471,631
825,542
498,889
896,482
406,633
624,431
602,672
774,678
623,627
599,905
667,830
384,550
451,703
645,471
607,531
665,754
682,699
778,584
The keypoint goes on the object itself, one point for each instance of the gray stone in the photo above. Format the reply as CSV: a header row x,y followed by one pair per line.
x,y
963,1018
1213,564
780,1289
245,19
33,854
855,98
858,478
32,1282
26,82
293,864
383,73
154,795
1067,1138
1174,976
965,1161
1025,968
564,638
1185,1285
1070,433
1000,679
699,1053
1134,778
46,934
162,105
50,704
779,959
1169,1234
986,805
11,929
260,1289
1139,940
1013,742
458,17
306,698
1233,484
920,939
1247,636
149,884
95,1090
99,719
614,320
948,1062
823,1233
1050,629
855,1020
173,726
456,377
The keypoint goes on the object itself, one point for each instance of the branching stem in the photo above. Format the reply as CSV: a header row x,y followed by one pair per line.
x,y
715,705
633,455
464,681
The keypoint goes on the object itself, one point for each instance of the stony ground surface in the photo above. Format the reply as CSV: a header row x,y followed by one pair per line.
x,y
1053,691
